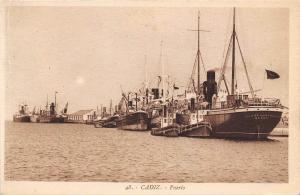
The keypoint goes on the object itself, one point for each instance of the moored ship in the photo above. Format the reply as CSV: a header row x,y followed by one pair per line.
x,y
22,115
242,117
51,116
135,121
192,122
236,116
132,113
107,122
165,124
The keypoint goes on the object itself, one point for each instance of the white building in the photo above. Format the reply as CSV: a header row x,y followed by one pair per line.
x,y
82,116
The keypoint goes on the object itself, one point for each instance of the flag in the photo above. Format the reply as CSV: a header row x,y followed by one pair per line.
x,y
272,74
66,108
159,79
175,87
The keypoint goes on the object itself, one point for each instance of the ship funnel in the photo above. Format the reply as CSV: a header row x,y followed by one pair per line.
x,y
155,92
192,104
165,111
211,75
22,111
210,86
52,109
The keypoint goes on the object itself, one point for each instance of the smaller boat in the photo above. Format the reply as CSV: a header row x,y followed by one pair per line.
x,y
191,120
187,124
107,122
168,131
167,126
22,115
201,129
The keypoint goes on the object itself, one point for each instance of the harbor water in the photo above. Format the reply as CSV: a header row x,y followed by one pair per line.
x,y
78,152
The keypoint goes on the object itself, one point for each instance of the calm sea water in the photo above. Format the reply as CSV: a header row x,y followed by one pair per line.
x,y
72,152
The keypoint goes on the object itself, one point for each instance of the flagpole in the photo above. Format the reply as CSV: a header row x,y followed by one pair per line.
x,y
263,85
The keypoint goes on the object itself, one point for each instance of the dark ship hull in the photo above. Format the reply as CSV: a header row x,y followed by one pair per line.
x,y
137,121
52,119
243,123
110,122
21,118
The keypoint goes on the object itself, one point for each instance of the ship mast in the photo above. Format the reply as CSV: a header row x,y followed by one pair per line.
x,y
198,60
233,55
198,53
55,98
55,108
110,107
146,82
47,103
163,72
233,38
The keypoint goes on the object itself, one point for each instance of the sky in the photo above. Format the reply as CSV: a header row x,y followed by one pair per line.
x,y
88,54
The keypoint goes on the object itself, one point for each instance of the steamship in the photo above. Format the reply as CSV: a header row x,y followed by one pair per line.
x,y
238,115
107,122
51,116
133,119
22,115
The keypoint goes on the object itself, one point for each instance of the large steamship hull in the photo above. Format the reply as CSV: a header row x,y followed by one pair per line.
x,y
52,119
243,123
21,118
137,121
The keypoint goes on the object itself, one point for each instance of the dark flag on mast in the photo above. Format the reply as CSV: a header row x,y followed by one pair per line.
x,y
272,74
175,87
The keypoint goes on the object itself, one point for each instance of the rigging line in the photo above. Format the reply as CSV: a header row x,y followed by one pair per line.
x,y
249,82
227,29
224,65
193,71
194,87
225,82
223,75
202,61
195,64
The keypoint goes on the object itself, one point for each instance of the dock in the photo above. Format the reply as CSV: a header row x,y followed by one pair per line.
x,y
280,132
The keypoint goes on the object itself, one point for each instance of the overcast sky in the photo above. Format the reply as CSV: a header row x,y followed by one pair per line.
x,y
87,53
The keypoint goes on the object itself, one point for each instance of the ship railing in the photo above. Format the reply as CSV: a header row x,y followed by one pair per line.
x,y
270,102
267,102
186,128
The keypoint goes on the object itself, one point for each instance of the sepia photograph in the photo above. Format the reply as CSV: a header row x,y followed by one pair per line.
x,y
147,95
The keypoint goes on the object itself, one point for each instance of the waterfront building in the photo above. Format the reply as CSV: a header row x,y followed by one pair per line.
x,y
82,116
